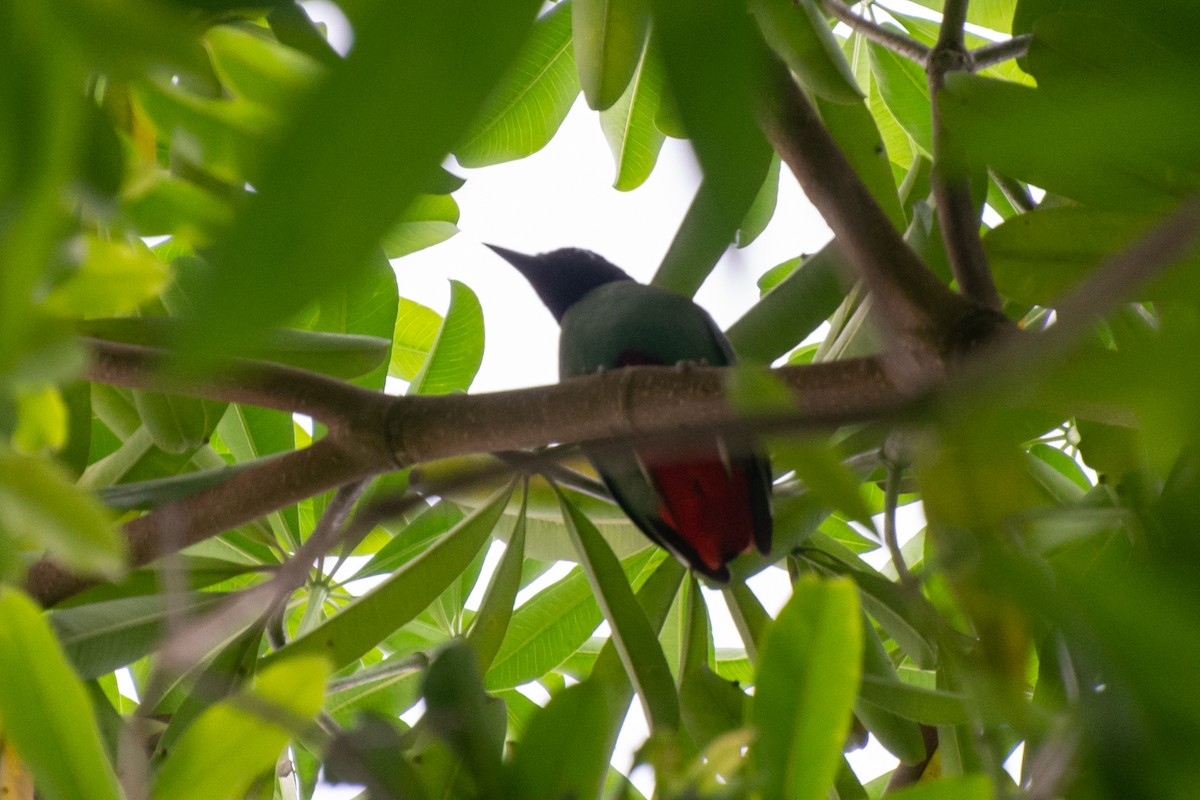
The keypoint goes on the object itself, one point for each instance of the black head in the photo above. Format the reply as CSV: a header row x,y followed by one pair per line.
x,y
563,277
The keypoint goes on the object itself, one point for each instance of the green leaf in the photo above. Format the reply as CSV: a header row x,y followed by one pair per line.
x,y
751,619
994,14
1115,160
430,220
232,743
545,631
490,625
857,133
793,309
213,681
39,504
358,628
259,68
112,278
629,126
927,706
341,355
821,469
252,433
716,66
799,33
458,710
565,749
1038,256
761,209
711,705
532,100
905,90
608,36
412,539
101,637
47,714
177,424
897,732
951,787
636,643
807,681
457,352
365,305
376,138
416,332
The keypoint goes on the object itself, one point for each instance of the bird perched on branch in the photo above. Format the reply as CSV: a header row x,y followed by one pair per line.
x,y
698,501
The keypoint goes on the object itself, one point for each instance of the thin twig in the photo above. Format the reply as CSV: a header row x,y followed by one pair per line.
x,y
891,498
896,42
992,54
189,644
951,177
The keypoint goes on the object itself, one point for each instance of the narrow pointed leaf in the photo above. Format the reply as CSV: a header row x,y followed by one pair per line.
x,y
609,36
376,138
532,99
799,33
545,631
807,682
230,744
39,504
564,751
792,309
46,710
635,641
629,126
457,352
374,616
716,66
905,90
102,637
491,622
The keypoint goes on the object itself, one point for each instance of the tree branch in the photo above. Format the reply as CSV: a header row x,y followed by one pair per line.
x,y
896,42
951,175
992,54
633,403
242,498
931,320
328,400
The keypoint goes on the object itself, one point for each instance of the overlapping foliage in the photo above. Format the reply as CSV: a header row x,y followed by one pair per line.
x,y
204,180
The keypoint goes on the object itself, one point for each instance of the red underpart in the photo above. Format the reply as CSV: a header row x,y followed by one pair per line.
x,y
708,505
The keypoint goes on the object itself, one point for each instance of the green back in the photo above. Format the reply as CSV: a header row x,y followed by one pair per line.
x,y
626,316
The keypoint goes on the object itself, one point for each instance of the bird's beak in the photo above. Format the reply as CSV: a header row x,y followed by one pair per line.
x,y
518,260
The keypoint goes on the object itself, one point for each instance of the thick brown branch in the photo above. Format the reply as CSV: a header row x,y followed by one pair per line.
x,y
928,317
333,402
628,403
893,40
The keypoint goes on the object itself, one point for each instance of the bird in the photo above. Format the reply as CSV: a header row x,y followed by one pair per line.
x,y
699,502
